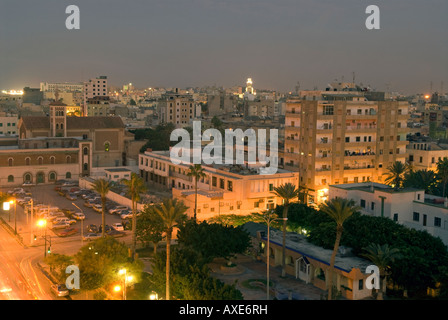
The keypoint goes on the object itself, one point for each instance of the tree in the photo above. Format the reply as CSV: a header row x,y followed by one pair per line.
x,y
58,263
100,260
381,256
197,172
288,192
395,177
150,227
132,102
442,174
102,186
213,240
173,214
339,210
134,187
421,179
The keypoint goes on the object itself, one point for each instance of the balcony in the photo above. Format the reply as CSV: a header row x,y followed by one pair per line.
x,y
369,128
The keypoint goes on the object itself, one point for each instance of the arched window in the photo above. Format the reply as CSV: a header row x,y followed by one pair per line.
x,y
68,159
10,162
40,160
27,177
28,161
52,176
62,126
68,175
86,151
57,126
86,167
10,178
52,160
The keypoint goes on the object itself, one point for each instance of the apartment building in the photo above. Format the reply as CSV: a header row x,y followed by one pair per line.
x,y
62,86
341,137
225,189
96,87
409,207
176,108
8,124
424,154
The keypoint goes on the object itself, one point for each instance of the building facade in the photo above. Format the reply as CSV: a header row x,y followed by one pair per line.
x,y
343,140
225,188
178,109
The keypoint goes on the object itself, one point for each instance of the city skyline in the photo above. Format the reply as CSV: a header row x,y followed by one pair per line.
x,y
199,43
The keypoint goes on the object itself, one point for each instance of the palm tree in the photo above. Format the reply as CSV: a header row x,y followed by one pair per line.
x,y
102,186
172,212
197,172
421,179
134,187
339,209
395,177
442,173
381,256
287,192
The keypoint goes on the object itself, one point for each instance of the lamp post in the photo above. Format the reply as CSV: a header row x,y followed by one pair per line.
x,y
43,223
15,214
82,224
269,217
126,279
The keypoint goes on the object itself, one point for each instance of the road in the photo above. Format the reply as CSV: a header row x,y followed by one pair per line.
x,y
20,278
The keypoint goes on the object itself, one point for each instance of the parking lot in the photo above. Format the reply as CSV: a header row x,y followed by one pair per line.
x,y
64,209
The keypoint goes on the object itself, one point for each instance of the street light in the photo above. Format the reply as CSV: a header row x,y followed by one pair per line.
x,y
82,224
268,217
43,224
153,296
13,201
126,279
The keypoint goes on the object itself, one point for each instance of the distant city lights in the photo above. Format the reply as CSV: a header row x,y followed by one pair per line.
x,y
13,92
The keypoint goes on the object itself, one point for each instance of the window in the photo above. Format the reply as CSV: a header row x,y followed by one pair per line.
x,y
10,178
395,217
52,176
40,160
230,185
361,284
256,204
328,110
214,181
68,175
372,206
347,139
10,162
68,159
416,216
271,187
221,183
86,151
52,160
437,222
28,161
363,203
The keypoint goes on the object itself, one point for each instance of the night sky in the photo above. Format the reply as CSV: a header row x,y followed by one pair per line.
x,y
180,43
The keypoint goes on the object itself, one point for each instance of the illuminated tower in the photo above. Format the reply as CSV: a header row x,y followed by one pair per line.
x,y
249,87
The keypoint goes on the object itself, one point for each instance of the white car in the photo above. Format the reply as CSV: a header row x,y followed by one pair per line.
x,y
91,236
117,209
79,216
61,225
118,226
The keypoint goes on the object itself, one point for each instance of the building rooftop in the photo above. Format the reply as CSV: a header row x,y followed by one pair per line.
x,y
117,170
373,186
43,122
345,260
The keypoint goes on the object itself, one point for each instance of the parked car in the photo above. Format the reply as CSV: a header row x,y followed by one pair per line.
x,y
28,184
92,228
78,216
91,236
68,211
115,233
126,215
107,228
60,290
67,232
117,209
61,219
118,227
61,225
98,208
71,196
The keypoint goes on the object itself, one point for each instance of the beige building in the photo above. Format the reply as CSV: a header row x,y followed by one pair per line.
x,y
342,139
424,155
225,189
110,141
176,108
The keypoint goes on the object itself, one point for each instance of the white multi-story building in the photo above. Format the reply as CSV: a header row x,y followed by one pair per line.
x,y
225,189
410,207
62,86
96,87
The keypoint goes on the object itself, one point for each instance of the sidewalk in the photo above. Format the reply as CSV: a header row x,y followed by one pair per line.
x,y
248,268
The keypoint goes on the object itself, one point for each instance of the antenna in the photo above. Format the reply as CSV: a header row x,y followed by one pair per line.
x,y
353,73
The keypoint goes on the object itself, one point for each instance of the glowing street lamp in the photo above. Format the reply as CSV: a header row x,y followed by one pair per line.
x,y
43,224
126,279
153,296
